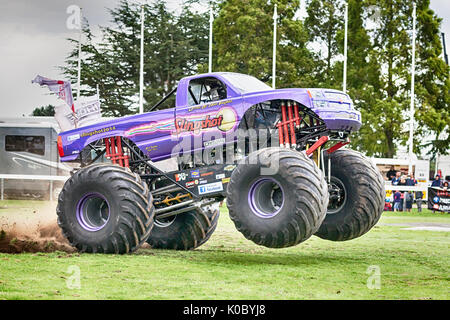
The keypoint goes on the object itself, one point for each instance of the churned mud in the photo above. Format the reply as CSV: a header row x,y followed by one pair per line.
x,y
31,230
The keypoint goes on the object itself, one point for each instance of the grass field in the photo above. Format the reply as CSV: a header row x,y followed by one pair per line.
x,y
412,265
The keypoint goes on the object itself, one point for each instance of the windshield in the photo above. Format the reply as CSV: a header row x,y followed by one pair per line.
x,y
245,83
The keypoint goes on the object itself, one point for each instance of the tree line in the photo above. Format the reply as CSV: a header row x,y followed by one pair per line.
x,y
309,54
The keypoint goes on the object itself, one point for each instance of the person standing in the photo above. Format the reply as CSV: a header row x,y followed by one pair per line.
x,y
396,180
391,173
409,200
419,200
437,181
402,182
397,200
410,181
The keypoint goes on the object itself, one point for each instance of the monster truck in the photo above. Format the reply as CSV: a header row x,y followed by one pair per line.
x,y
275,155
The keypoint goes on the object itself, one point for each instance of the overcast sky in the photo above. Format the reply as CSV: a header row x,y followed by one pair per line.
x,y
33,41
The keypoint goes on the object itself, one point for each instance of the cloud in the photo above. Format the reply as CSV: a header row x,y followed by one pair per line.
x,y
33,41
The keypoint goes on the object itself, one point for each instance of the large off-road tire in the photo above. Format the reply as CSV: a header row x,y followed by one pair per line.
x,y
185,231
281,209
104,208
356,196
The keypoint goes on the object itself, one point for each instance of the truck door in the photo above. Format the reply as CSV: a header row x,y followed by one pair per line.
x,y
208,115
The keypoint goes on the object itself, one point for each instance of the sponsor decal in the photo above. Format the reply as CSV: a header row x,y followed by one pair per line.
x,y
230,167
195,174
151,148
205,174
224,120
220,176
184,125
438,199
73,137
210,188
190,184
209,105
95,132
202,181
180,176
225,180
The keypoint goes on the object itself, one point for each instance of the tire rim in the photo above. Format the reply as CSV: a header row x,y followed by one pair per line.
x,y
93,212
165,222
338,195
266,198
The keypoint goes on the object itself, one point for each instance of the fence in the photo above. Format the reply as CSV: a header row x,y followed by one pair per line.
x,y
4,177
420,187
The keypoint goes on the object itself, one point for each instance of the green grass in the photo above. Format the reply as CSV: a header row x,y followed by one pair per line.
x,y
22,206
413,265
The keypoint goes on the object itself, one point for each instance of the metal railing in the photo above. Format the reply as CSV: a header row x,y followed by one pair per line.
x,y
4,177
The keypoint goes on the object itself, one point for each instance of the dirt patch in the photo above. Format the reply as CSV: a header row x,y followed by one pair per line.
x,y
32,232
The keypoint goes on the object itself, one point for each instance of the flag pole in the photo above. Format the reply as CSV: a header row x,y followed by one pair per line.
x,y
344,82
274,59
211,19
141,73
79,56
445,49
413,70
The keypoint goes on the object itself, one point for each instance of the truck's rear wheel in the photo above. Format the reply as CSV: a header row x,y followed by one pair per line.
x,y
281,209
105,208
185,231
356,196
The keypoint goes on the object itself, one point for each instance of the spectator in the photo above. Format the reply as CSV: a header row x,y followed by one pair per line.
x,y
410,181
445,185
409,198
402,181
419,200
402,200
437,181
397,200
396,179
387,205
391,173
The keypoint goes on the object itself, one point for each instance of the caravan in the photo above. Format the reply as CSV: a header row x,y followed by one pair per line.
x,y
28,148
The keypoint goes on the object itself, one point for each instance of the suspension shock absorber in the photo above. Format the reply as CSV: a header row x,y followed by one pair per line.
x,y
291,125
284,123
297,115
280,133
114,151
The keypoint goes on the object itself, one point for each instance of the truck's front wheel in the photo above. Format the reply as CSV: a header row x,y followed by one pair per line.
x,y
278,198
356,196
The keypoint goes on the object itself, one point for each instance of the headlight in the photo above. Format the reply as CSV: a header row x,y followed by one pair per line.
x,y
317,94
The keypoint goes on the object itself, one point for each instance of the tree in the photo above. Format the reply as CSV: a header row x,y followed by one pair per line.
x,y
44,111
390,97
174,47
432,81
379,66
243,41
324,21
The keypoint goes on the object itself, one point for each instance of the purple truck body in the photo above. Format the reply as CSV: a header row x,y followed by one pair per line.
x,y
156,133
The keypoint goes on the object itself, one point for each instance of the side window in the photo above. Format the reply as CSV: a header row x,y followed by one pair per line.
x,y
31,144
206,90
